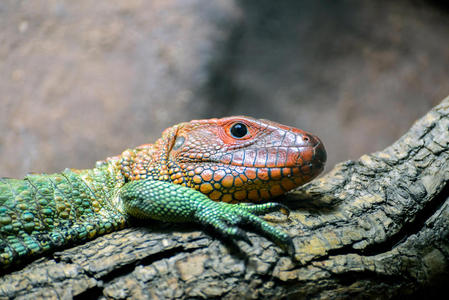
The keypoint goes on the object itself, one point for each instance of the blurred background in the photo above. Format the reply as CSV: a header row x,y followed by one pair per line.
x,y
83,80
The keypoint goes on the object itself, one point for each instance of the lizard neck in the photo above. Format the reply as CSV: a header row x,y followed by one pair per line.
x,y
149,161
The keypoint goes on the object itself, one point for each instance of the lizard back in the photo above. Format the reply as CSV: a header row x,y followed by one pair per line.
x,y
43,212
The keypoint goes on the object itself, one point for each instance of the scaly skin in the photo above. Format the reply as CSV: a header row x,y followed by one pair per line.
x,y
227,160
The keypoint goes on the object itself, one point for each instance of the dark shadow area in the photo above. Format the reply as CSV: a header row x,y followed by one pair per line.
x,y
441,5
355,73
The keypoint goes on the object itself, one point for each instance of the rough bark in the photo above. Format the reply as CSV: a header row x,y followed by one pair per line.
x,y
376,227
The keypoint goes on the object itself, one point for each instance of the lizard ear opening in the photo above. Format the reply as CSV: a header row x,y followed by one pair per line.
x,y
179,141
173,140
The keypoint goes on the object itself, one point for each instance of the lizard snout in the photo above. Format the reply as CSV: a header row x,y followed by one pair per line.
x,y
311,155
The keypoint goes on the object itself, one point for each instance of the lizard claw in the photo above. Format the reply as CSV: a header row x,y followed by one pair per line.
x,y
289,248
220,215
284,209
240,234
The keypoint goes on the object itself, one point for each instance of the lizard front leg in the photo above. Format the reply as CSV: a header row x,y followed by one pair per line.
x,y
175,203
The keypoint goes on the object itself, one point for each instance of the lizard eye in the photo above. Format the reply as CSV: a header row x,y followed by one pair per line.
x,y
239,130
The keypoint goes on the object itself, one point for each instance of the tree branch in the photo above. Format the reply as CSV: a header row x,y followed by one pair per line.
x,y
373,227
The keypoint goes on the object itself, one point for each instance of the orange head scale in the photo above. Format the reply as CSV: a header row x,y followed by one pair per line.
x,y
230,159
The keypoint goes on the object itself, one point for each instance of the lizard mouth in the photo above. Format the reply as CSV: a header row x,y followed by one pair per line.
x,y
278,158
308,151
320,155
286,167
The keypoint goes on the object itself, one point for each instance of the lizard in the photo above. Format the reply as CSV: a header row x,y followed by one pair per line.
x,y
199,171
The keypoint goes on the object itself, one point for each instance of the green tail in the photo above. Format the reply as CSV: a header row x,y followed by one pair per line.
x,y
43,212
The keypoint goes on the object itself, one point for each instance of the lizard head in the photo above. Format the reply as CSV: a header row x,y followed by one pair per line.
x,y
230,159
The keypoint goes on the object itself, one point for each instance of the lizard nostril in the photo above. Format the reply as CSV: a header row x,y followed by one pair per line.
x,y
306,138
